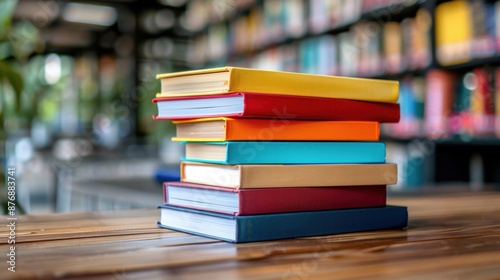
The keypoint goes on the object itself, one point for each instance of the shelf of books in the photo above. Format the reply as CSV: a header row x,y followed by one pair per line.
x,y
447,63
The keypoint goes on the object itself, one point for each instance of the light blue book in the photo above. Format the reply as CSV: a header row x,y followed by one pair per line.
x,y
276,152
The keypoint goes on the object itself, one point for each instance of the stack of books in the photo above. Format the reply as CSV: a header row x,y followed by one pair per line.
x,y
272,155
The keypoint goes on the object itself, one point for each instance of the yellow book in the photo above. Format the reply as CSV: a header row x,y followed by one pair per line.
x,y
453,32
232,79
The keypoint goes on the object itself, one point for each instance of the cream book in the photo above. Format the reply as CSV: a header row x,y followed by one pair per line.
x,y
296,175
233,79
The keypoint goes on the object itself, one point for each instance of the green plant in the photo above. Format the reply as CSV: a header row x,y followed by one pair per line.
x,y
17,42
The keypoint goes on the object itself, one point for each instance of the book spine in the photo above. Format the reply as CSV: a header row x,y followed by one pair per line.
x,y
229,129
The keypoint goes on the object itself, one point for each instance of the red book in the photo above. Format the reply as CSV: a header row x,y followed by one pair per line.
x,y
257,105
438,102
271,200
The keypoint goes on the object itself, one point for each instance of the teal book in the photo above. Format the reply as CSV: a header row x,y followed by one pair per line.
x,y
278,152
282,225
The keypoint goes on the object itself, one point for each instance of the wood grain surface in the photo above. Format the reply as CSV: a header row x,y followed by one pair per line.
x,y
449,237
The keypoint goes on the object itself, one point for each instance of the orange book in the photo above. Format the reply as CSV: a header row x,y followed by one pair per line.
x,y
229,129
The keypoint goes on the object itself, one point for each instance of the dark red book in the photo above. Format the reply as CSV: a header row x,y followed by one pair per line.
x,y
257,105
271,200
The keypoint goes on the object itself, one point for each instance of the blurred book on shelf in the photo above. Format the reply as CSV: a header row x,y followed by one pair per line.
x,y
217,38
201,13
466,30
461,104
274,21
393,47
273,36
412,161
411,100
318,55
474,114
367,46
497,102
444,104
438,103
295,16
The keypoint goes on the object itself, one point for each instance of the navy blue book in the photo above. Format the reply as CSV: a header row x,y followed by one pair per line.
x,y
283,225
167,174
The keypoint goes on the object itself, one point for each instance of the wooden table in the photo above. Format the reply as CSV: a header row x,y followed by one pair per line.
x,y
448,237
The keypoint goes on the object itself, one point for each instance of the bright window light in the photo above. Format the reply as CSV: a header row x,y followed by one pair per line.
x,y
52,69
89,14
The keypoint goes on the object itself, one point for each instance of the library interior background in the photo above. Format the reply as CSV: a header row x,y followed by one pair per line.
x,y
77,79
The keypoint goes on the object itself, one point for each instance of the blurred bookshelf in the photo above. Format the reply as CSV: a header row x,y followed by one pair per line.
x,y
91,71
446,55
79,76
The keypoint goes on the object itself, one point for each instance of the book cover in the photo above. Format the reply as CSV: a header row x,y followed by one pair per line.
x,y
234,129
271,200
280,152
254,105
283,225
224,80
280,176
